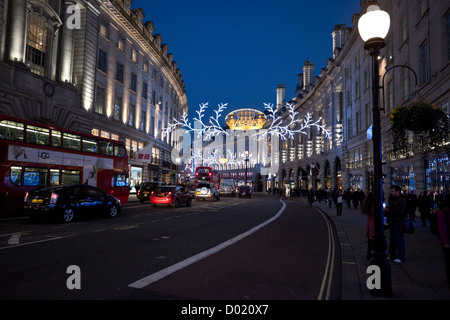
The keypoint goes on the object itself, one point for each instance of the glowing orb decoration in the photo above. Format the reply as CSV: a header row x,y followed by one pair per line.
x,y
245,119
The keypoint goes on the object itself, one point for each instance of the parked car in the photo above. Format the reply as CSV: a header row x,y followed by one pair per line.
x,y
207,191
228,187
245,191
69,202
170,195
191,189
143,194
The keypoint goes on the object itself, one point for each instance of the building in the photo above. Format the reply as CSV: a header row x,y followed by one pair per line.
x,y
419,38
94,67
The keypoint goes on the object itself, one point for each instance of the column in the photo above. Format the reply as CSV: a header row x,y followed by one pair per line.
x,y
18,30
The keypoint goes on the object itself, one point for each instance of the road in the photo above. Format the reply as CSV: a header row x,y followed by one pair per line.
x,y
236,249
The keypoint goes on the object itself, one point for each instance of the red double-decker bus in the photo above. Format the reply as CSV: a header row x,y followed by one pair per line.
x,y
35,155
207,174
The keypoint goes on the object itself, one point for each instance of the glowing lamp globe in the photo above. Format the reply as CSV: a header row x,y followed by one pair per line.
x,y
374,24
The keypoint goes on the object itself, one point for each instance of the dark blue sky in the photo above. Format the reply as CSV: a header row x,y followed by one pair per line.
x,y
238,51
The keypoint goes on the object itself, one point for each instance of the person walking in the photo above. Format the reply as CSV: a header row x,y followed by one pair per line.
x,y
411,205
443,204
396,213
423,204
339,199
368,208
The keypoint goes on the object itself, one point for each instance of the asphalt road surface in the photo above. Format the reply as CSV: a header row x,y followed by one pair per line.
x,y
233,249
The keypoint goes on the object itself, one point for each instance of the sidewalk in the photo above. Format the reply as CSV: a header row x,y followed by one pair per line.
x,y
421,277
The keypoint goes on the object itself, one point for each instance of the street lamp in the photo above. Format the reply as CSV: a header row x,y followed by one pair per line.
x,y
373,27
247,157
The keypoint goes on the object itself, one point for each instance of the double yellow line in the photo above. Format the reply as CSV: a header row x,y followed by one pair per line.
x,y
325,288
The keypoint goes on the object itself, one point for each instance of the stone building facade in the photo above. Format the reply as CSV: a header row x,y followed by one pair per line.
x,y
94,67
419,38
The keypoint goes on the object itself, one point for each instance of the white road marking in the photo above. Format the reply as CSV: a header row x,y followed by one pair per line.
x,y
139,284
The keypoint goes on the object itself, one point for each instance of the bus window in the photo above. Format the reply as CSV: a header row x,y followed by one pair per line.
x,y
71,141
70,177
35,177
11,130
38,135
119,151
56,138
54,177
106,148
121,180
15,175
89,145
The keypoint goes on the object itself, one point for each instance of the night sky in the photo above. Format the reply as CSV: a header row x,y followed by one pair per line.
x,y
238,51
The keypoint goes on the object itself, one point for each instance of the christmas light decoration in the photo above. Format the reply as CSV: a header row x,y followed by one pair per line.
x,y
282,127
291,125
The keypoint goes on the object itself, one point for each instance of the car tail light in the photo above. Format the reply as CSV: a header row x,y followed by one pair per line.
x,y
54,198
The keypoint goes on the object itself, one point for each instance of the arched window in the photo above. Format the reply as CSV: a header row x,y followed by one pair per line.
x,y
43,23
38,44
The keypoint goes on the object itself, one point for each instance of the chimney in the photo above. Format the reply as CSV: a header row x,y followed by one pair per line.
x,y
308,74
281,96
339,37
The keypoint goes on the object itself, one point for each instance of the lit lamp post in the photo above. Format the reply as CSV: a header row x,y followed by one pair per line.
x,y
373,27
247,156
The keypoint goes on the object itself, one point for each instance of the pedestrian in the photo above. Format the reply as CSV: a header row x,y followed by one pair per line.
x,y
368,207
339,200
396,213
423,202
443,204
355,199
411,205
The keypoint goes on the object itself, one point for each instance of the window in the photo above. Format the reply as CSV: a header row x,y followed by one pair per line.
x,y
390,96
121,180
89,145
11,130
143,120
144,90
104,29
368,115
119,151
56,138
102,60
117,108
152,126
100,101
404,26
54,177
154,97
131,114
71,141
114,136
35,177
93,192
106,148
95,132
134,55
121,44
15,175
405,84
424,66
119,72
38,39
133,82
70,177
38,135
